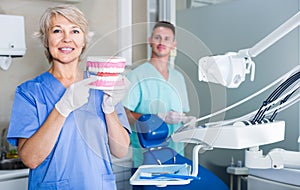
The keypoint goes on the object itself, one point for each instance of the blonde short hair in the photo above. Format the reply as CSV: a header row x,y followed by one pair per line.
x,y
71,13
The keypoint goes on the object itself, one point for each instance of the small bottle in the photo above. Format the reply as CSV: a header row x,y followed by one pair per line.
x,y
240,163
232,162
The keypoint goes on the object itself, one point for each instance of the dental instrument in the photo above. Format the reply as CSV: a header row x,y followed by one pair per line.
x,y
167,176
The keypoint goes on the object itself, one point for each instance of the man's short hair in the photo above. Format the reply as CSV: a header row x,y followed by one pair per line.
x,y
165,24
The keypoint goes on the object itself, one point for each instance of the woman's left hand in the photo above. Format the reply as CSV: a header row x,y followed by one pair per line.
x,y
114,96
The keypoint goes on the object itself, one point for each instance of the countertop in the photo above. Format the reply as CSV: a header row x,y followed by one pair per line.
x,y
285,175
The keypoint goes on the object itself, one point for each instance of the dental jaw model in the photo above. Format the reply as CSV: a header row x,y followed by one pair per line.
x,y
107,70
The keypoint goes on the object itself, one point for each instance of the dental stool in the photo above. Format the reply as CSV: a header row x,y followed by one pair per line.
x,y
152,133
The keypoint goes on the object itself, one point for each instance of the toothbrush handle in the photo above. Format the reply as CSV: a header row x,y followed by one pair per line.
x,y
183,177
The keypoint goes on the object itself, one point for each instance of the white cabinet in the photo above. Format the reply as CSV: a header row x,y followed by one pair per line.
x,y
122,170
14,179
14,184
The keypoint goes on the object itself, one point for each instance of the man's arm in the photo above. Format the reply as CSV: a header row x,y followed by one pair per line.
x,y
132,116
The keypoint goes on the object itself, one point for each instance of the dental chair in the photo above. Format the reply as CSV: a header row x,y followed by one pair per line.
x,y
152,133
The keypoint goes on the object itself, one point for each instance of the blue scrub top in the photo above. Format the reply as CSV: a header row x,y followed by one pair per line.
x,y
81,157
150,93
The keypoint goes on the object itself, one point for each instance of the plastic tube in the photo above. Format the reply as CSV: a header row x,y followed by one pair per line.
x,y
282,78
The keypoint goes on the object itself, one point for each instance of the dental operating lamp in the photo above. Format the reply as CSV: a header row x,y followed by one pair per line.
x,y
230,70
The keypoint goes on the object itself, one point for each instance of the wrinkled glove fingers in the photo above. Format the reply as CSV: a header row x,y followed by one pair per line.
x,y
176,116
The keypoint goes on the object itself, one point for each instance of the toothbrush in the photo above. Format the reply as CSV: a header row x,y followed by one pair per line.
x,y
145,175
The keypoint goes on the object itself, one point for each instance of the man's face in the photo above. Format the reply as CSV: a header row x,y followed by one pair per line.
x,y
162,41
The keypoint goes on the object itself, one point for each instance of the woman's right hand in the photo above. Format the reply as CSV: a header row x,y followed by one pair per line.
x,y
74,97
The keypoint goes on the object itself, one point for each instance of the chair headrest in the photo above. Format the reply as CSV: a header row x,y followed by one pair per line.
x,y
152,131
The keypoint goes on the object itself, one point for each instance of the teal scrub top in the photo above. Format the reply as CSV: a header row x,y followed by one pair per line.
x,y
150,93
81,157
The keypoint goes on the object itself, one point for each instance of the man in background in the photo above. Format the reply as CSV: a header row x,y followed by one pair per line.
x,y
157,88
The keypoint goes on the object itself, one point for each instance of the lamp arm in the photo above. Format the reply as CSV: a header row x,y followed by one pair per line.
x,y
276,35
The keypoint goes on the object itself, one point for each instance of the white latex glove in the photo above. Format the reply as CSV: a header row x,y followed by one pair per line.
x,y
74,97
172,117
112,97
190,121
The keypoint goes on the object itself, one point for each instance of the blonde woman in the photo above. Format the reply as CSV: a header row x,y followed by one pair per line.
x,y
65,131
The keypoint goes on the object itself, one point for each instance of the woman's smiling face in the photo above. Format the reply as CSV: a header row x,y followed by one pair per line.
x,y
66,40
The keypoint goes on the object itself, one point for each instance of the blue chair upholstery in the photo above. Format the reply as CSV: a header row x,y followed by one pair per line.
x,y
152,133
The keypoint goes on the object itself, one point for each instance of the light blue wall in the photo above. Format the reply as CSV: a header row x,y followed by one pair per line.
x,y
230,27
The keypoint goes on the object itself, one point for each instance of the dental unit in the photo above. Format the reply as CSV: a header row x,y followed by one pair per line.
x,y
254,129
